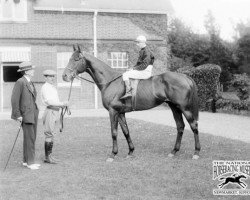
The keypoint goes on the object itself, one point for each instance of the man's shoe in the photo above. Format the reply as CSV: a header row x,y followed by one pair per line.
x,y
50,160
25,164
54,159
33,166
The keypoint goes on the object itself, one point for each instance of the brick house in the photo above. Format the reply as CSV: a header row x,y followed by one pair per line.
x,y
44,32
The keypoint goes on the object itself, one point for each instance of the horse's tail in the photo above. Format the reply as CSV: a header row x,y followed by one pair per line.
x,y
194,102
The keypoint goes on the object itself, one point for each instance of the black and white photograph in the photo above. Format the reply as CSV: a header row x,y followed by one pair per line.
x,y
124,99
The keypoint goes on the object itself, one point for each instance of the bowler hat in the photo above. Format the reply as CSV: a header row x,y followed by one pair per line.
x,y
49,72
25,66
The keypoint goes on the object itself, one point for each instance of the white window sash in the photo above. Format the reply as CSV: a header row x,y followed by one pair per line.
x,y
13,16
114,57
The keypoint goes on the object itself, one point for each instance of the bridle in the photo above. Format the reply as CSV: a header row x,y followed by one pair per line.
x,y
66,109
74,75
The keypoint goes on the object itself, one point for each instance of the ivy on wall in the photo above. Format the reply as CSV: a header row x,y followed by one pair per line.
x,y
159,52
151,23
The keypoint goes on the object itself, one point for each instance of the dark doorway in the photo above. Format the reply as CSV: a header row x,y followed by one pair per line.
x,y
10,73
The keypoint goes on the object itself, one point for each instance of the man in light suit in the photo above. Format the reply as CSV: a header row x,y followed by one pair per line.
x,y
25,110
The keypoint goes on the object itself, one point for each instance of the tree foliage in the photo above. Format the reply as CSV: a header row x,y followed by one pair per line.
x,y
243,53
196,49
187,46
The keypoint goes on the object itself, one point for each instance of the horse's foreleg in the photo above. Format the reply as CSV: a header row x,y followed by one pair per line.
x,y
113,115
194,126
125,130
180,128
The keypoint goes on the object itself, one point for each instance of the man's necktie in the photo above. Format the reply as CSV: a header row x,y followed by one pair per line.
x,y
32,86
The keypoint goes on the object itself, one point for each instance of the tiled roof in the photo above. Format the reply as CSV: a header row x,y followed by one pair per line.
x,y
133,6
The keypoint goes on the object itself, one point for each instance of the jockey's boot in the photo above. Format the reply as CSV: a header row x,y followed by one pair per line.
x,y
48,151
52,157
128,90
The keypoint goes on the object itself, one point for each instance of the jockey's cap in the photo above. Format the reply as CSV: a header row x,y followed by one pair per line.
x,y
141,38
49,72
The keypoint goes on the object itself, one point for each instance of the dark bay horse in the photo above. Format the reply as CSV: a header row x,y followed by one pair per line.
x,y
177,90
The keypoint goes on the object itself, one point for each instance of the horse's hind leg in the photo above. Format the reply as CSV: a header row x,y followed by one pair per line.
x,y
180,128
194,126
124,127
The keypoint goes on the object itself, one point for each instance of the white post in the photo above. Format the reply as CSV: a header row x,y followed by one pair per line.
x,y
1,84
95,54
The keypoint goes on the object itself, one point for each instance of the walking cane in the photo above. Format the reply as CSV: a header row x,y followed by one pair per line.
x,y
13,145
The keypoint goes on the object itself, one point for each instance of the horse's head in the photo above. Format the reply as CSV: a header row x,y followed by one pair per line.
x,y
77,65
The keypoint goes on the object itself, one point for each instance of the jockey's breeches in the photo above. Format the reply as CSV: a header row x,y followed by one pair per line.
x,y
136,74
50,122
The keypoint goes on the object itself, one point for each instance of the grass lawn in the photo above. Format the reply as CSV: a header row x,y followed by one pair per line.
x,y
84,174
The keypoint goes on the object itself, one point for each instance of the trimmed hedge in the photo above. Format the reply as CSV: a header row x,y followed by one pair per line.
x,y
207,78
230,106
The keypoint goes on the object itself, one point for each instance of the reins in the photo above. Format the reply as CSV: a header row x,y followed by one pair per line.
x,y
66,108
81,78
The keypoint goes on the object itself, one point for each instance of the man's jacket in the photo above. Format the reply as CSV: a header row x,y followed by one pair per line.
x,y
145,59
23,101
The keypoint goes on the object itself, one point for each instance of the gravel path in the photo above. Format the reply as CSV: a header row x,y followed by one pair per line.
x,y
230,126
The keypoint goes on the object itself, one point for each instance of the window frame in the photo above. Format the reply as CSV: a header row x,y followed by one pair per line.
x,y
111,59
76,82
13,17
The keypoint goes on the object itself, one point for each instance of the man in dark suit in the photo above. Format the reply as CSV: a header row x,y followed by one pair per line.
x,y
25,110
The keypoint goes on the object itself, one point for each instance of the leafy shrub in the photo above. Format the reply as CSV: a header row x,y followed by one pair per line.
x,y
230,105
207,78
240,83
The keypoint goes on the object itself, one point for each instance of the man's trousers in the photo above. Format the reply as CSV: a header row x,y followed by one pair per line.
x,y
29,139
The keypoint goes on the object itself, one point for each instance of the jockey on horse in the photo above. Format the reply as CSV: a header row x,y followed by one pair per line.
x,y
143,67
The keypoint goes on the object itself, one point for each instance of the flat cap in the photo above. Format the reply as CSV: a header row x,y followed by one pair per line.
x,y
49,72
25,66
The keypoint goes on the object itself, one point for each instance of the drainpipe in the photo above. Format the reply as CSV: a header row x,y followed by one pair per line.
x,y
1,83
95,53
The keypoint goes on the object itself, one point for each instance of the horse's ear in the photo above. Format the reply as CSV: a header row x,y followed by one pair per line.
x,y
79,49
74,47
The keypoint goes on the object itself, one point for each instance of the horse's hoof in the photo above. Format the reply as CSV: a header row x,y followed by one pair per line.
x,y
196,157
170,155
110,160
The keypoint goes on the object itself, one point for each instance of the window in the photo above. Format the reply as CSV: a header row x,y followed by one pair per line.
x,y
10,73
11,57
12,10
62,61
118,59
